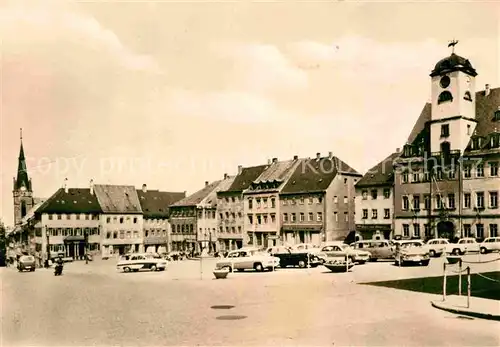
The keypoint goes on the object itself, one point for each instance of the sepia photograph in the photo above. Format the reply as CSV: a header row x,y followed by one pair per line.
x,y
249,173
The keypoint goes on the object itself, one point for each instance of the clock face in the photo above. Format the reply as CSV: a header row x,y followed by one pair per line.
x,y
23,188
444,82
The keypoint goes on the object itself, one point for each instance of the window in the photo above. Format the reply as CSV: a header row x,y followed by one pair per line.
x,y
273,202
452,174
302,217
387,193
336,216
451,201
467,171
320,217
439,201
406,230
59,216
365,213
480,231
374,213
439,173
467,96
493,199
310,217
239,228
302,200
374,194
78,217
496,116
50,216
265,218
364,194
320,200
493,230
283,202
416,202
445,130
406,203
346,217
335,200
285,217
250,203
494,168
467,200
293,218
427,230
467,230
427,202
468,129
273,218
250,218
121,220
264,202
416,177
480,170
311,200
416,230
345,200
404,177
257,202
480,200
427,176
445,97
122,234
387,213
68,216
259,219
108,235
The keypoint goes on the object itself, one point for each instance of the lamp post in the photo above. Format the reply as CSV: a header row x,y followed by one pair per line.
x,y
86,237
47,234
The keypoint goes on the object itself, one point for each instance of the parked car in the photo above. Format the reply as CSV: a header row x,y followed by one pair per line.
x,y
248,259
339,248
378,249
26,263
288,257
464,245
437,247
141,261
411,251
490,244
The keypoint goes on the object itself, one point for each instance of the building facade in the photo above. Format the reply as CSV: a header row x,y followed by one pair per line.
x,y
375,201
317,202
447,184
231,218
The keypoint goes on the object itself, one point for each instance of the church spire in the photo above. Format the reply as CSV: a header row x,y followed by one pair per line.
x,y
22,172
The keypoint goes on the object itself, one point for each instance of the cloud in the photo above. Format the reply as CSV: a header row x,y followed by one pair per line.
x,y
260,68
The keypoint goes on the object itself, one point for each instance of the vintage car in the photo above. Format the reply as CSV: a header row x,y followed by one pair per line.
x,y
378,249
411,251
490,244
248,259
338,263
437,247
141,261
339,248
291,257
26,263
464,245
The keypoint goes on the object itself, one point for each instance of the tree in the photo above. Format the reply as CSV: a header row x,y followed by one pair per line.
x,y
3,244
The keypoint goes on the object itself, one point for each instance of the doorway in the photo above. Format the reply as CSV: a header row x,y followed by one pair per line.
x,y
446,230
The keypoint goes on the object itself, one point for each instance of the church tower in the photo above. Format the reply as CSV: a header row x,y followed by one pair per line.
x,y
22,192
453,103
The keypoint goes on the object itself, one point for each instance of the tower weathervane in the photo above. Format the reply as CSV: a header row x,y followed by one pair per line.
x,y
21,133
452,44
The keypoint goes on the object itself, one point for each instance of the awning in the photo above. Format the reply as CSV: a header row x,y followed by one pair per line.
x,y
305,227
72,238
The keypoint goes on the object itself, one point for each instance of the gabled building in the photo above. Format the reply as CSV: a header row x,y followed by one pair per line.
x,y
448,184
261,202
121,219
155,209
231,218
184,220
375,201
317,201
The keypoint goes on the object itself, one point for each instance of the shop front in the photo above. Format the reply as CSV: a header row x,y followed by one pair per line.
x,y
295,234
156,245
373,231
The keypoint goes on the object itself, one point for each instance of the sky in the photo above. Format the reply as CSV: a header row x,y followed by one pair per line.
x,y
173,94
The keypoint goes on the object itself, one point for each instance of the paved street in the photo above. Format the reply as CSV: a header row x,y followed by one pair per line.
x,y
94,305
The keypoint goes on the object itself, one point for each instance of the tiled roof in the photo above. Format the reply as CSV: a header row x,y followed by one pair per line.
x,y
76,200
313,175
196,198
380,174
117,199
155,203
211,198
246,177
424,117
277,171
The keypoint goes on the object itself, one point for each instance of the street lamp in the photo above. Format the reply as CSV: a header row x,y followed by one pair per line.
x,y
47,234
86,237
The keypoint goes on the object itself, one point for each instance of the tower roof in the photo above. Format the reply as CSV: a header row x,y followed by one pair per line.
x,y
22,179
453,63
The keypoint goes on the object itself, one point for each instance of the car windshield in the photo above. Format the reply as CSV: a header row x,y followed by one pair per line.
x,y
27,258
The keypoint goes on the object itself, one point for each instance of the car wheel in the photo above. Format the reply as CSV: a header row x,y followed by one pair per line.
x,y
126,269
228,268
258,267
361,262
282,265
483,250
373,259
396,263
432,253
456,251
153,268
302,264
425,262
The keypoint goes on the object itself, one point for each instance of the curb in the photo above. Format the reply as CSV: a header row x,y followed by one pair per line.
x,y
466,312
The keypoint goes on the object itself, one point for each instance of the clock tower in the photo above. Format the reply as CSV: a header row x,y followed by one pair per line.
x,y
453,103
22,192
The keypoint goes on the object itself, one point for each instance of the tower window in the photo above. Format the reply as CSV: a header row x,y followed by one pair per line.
x,y
496,116
445,97
467,96
23,208
445,130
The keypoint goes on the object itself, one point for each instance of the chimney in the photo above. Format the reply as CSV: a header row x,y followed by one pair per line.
x,y
91,187
486,89
206,183
398,150
330,155
295,157
240,169
269,161
144,188
275,160
318,155
225,176
66,185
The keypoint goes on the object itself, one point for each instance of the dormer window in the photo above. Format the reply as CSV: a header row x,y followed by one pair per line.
x,y
467,96
495,141
445,97
496,115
